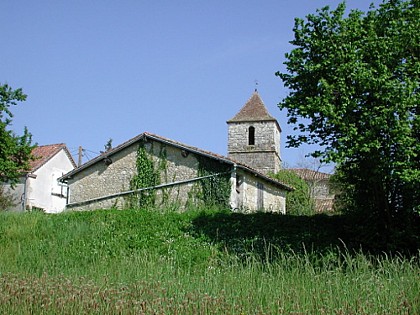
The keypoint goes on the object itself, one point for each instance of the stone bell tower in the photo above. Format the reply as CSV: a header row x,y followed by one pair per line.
x,y
254,137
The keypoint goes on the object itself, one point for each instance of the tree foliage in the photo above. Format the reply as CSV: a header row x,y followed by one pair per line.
x,y
354,80
15,151
298,201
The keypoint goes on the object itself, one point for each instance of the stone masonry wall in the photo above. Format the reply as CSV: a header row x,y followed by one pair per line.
x,y
99,180
244,198
174,166
264,162
264,155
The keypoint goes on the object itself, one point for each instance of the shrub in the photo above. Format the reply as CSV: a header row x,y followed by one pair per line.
x,y
299,201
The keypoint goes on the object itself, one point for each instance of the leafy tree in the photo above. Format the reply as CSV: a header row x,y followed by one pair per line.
x,y
354,80
299,201
15,151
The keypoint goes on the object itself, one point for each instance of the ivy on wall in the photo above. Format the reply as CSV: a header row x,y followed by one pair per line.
x,y
215,191
146,176
211,191
163,171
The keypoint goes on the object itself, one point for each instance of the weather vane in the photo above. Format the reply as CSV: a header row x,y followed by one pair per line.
x,y
256,85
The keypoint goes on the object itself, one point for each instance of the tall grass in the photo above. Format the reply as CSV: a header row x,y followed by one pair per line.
x,y
145,262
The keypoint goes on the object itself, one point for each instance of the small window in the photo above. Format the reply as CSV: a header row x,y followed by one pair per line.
x,y
251,136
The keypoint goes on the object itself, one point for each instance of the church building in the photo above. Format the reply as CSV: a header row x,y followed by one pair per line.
x,y
184,176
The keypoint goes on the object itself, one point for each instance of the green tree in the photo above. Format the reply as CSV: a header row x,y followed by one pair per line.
x,y
15,151
298,201
354,83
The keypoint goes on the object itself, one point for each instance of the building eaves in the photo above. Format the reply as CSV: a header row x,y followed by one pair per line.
x,y
218,157
221,158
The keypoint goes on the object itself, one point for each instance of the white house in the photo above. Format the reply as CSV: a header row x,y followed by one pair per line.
x,y
39,188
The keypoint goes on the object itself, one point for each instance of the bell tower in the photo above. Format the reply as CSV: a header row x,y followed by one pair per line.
x,y
254,137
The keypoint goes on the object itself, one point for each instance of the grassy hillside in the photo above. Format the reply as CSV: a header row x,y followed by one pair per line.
x,y
198,262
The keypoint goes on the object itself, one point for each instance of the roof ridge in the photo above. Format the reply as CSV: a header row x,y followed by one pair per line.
x,y
172,142
307,173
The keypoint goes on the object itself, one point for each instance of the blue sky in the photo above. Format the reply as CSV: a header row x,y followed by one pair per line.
x,y
95,70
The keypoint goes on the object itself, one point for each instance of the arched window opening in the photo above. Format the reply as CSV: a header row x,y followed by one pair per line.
x,y
251,136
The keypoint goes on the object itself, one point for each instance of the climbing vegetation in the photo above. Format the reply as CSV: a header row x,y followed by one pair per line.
x,y
298,201
147,176
215,190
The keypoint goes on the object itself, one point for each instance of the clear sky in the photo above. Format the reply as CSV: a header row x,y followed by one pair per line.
x,y
95,70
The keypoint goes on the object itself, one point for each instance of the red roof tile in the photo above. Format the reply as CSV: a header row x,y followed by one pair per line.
x,y
44,153
324,205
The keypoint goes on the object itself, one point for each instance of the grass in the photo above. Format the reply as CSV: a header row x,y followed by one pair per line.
x,y
198,262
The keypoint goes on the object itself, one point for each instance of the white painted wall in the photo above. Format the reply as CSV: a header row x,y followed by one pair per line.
x,y
44,191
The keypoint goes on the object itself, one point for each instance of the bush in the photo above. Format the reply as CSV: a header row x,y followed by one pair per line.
x,y
299,201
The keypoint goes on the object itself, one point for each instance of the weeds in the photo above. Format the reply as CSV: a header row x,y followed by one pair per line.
x,y
144,262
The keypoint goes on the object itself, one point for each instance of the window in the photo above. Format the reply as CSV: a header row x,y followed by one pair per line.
x,y
251,136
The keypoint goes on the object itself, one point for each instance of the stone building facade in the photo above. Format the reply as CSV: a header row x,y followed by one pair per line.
x,y
170,174
254,137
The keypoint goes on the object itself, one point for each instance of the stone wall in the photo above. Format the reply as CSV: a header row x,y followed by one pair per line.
x,y
180,181
98,181
264,155
262,161
244,197
320,189
16,193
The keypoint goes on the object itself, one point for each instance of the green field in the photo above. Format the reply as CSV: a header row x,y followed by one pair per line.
x,y
197,262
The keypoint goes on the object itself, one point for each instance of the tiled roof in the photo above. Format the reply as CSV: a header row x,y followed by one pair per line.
x,y
310,175
253,110
147,135
44,153
324,205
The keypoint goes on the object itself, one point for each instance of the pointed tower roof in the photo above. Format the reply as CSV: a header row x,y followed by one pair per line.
x,y
253,110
